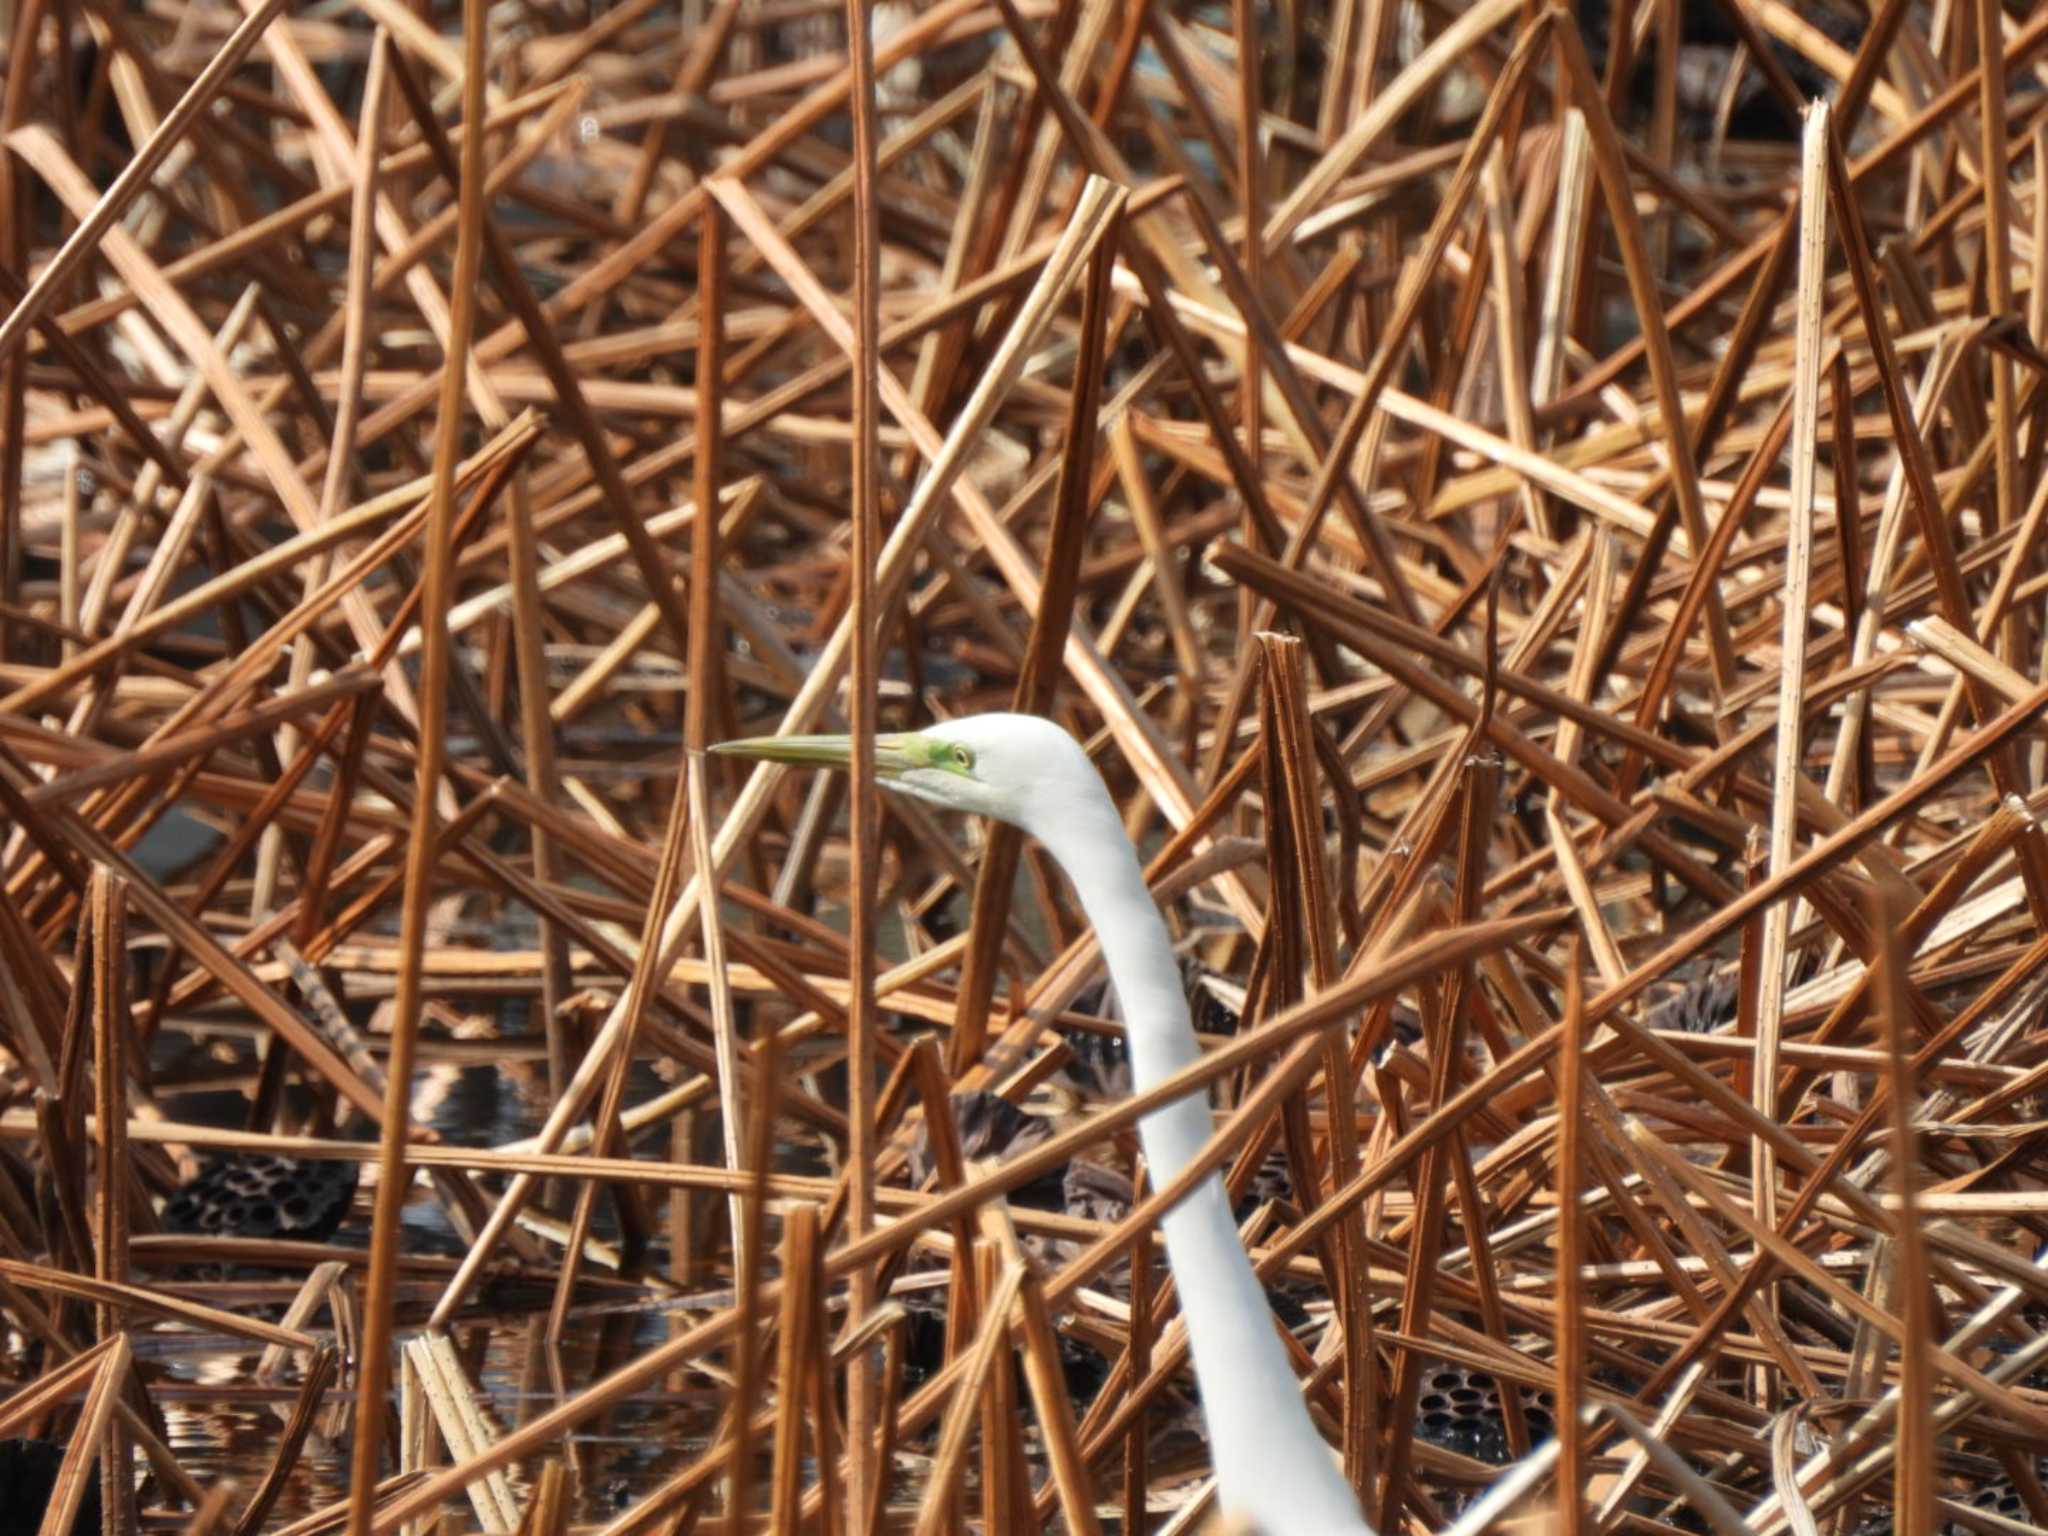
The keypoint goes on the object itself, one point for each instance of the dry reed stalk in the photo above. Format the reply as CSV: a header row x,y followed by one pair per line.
x,y
1571,1247
451,1401
687,816
793,1363
95,1421
863,1472
1772,971
437,592
1911,1281
108,916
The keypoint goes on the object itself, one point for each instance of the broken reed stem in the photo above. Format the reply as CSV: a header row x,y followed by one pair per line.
x,y
1787,764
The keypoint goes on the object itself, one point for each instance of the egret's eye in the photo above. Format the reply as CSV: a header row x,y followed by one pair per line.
x,y
960,757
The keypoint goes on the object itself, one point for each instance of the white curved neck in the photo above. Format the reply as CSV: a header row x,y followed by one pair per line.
x,y
1271,1465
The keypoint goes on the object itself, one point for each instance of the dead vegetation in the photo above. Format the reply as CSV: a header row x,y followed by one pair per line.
x,y
1549,559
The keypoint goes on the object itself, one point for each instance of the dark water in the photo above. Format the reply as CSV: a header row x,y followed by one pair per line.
x,y
225,1423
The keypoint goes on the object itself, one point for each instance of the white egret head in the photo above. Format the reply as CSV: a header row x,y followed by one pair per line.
x,y
1015,768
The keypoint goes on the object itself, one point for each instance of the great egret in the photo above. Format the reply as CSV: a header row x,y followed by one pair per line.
x,y
1272,1468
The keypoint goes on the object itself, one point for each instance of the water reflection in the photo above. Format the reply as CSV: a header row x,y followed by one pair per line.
x,y
223,1424
225,1421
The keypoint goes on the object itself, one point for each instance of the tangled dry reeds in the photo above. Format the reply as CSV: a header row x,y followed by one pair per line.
x,y
1540,528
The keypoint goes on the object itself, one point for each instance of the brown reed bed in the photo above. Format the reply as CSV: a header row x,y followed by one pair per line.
x,y
1542,537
